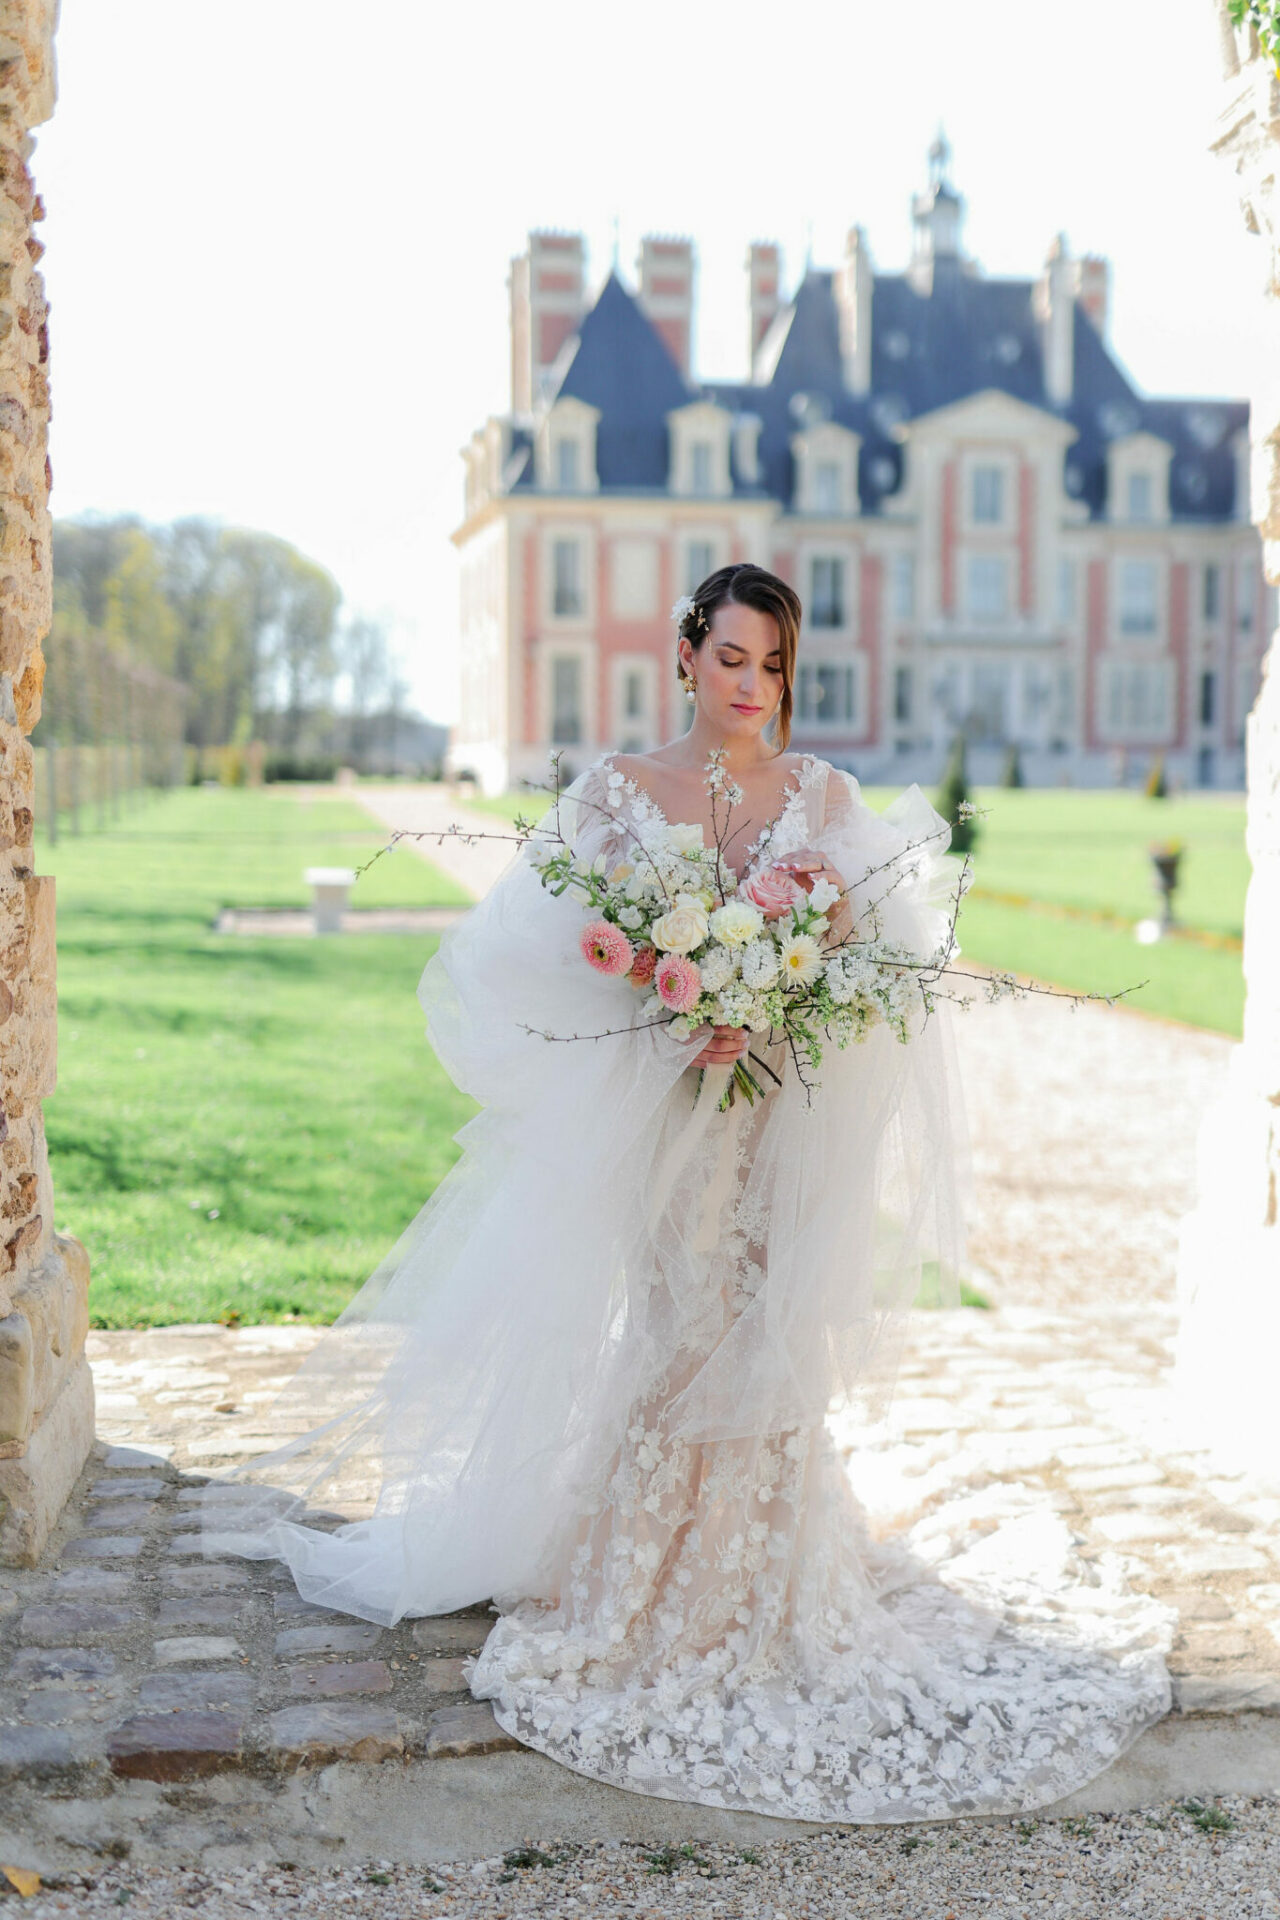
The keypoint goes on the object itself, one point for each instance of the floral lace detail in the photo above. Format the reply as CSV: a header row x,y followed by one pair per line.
x,y
726,1630
772,837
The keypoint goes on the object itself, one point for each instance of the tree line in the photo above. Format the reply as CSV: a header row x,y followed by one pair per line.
x,y
242,625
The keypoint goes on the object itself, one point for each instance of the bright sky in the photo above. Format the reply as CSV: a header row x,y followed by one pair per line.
x,y
279,230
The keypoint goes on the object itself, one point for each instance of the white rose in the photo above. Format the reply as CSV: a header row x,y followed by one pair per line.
x,y
680,930
736,923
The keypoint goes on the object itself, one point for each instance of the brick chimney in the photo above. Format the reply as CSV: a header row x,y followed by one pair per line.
x,y
853,288
665,273
548,296
1093,288
764,290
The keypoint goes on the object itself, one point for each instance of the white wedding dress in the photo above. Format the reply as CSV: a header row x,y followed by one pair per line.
x,y
592,1383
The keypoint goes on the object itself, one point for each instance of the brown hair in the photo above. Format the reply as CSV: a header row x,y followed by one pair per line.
x,y
747,585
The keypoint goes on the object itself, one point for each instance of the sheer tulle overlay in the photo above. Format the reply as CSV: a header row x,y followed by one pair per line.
x,y
592,1381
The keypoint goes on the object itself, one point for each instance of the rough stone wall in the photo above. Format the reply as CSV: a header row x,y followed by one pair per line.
x,y
46,1398
1229,1267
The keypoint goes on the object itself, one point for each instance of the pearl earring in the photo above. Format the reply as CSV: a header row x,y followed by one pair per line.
x,y
689,686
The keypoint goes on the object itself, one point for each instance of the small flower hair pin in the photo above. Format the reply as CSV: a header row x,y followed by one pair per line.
x,y
682,607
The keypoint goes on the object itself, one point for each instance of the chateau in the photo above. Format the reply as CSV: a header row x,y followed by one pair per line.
x,y
992,530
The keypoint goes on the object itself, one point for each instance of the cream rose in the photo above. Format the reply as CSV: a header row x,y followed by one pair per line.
x,y
684,836
680,930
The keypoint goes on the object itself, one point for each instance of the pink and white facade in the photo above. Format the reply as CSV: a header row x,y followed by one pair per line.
x,y
990,529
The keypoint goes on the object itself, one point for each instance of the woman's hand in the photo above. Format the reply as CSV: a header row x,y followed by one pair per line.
x,y
806,865
726,1045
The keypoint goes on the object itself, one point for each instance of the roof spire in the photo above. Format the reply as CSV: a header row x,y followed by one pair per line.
x,y
936,216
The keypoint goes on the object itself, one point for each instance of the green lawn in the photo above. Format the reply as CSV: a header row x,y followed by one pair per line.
x,y
242,1126
1048,860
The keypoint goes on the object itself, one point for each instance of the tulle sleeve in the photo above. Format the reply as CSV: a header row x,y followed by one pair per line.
x,y
513,963
902,882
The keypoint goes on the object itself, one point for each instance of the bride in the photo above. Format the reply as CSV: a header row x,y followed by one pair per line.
x,y
594,1381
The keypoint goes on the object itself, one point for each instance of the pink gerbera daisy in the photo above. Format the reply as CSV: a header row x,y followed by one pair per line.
x,y
643,965
678,982
606,947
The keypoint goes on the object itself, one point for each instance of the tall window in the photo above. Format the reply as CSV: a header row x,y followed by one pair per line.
x,y
566,581
699,558
902,585
566,699
826,596
826,691
1211,592
1246,593
568,466
1139,596
988,496
988,714
988,585
633,694
902,691
826,486
1141,496
1066,590
1208,698
700,461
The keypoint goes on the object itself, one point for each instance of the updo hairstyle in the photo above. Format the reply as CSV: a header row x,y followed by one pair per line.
x,y
747,585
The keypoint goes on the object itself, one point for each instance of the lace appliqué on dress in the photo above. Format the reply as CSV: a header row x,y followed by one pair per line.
x,y
726,1629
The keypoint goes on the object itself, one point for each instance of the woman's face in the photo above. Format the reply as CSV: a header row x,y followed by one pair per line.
x,y
738,669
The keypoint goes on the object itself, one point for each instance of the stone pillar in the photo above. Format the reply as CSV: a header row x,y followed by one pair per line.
x,y
46,1393
1229,1257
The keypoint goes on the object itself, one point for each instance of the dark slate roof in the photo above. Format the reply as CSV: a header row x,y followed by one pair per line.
x,y
929,350
621,365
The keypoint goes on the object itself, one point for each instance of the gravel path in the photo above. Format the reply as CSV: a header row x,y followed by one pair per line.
x,y
1083,1127
1161,1864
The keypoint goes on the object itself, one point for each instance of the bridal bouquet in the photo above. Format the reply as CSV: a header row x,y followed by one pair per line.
x,y
672,921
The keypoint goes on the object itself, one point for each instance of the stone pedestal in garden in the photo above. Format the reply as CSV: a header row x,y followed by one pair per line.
x,y
1229,1266
46,1393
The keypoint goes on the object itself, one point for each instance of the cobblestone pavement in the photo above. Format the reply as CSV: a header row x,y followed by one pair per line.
x,y
128,1651
1167,1862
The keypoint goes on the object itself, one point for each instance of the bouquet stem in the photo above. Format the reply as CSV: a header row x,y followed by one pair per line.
x,y
740,1080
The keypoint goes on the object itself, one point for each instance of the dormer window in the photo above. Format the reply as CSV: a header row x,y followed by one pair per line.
x,y
988,496
564,447
568,465
826,486
826,470
1141,497
1138,480
700,440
